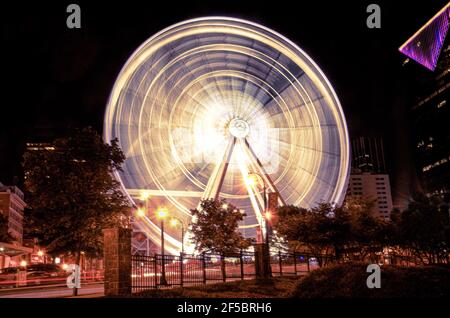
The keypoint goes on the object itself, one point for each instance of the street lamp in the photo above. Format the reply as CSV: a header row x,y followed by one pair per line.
x,y
162,214
140,212
144,196
174,222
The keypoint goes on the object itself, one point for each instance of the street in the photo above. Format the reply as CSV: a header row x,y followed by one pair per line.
x,y
88,290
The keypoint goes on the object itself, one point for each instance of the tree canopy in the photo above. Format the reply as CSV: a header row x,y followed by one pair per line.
x,y
423,229
216,227
72,194
348,231
420,234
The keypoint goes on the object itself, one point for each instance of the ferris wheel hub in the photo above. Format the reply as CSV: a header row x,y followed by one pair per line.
x,y
239,128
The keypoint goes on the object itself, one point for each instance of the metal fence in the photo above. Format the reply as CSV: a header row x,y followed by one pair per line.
x,y
149,272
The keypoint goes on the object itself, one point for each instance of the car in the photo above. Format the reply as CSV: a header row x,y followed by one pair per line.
x,y
35,274
8,277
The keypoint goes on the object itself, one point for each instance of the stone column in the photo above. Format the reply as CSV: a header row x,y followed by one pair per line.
x,y
262,262
117,261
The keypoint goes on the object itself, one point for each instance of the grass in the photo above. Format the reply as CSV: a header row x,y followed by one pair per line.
x,y
338,281
279,287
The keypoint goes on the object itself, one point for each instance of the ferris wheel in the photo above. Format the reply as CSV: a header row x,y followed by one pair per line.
x,y
206,102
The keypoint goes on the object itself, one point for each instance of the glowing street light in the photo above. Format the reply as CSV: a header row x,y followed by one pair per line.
x,y
162,213
23,263
145,195
250,179
140,212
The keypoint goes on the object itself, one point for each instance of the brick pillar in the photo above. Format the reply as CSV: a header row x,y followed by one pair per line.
x,y
262,262
117,261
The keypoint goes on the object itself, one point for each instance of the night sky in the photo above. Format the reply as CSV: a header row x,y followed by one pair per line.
x,y
56,78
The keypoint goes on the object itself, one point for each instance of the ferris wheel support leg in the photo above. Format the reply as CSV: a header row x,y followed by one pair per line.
x,y
263,172
215,182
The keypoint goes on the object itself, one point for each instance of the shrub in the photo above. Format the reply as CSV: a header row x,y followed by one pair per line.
x,y
349,281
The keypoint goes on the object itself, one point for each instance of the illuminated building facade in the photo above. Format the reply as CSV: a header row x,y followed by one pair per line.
x,y
12,205
430,111
372,186
368,177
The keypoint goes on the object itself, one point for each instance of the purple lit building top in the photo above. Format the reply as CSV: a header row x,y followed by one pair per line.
x,y
425,45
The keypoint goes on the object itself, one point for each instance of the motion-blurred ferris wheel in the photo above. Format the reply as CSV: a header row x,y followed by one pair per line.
x,y
206,102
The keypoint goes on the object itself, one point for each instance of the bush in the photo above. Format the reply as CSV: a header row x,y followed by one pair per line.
x,y
349,281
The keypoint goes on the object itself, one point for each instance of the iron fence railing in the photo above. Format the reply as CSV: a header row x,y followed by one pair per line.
x,y
156,271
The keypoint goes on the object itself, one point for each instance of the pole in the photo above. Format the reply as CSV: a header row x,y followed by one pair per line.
x,y
241,264
147,243
181,269
163,280
265,209
280,262
204,267
295,264
267,257
182,238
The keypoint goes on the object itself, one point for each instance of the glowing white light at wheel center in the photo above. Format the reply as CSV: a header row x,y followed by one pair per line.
x,y
239,128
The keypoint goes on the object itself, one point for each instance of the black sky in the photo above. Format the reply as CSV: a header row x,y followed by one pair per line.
x,y
55,78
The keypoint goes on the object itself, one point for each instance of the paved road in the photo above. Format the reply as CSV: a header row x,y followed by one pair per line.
x,y
89,290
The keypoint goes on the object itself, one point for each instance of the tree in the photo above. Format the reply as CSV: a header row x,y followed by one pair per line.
x,y
216,227
368,234
423,229
4,234
312,230
72,193
345,232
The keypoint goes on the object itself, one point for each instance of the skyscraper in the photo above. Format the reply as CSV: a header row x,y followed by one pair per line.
x,y
429,113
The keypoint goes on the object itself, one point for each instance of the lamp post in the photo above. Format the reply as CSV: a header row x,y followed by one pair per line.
x,y
145,197
174,222
161,214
